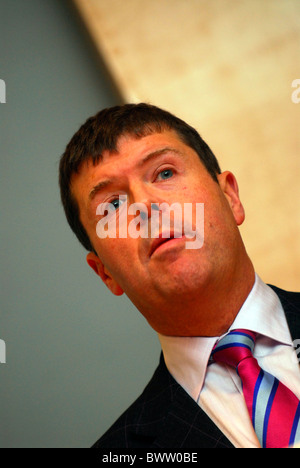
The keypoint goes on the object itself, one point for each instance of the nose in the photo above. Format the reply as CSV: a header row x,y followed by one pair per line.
x,y
145,199
153,212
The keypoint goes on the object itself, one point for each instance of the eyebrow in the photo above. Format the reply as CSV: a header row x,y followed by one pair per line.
x,y
154,154
99,187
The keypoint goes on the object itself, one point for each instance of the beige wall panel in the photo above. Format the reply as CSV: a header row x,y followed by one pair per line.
x,y
226,67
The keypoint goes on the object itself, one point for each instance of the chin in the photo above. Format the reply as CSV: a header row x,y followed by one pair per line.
x,y
184,278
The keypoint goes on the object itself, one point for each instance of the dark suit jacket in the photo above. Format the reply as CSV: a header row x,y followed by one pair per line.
x,y
165,416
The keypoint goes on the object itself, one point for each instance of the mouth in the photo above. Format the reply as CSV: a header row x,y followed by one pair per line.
x,y
162,241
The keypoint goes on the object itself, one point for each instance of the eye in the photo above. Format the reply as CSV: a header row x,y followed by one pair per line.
x,y
115,203
109,208
165,174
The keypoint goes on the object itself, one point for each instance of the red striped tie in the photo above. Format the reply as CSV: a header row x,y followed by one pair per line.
x,y
274,410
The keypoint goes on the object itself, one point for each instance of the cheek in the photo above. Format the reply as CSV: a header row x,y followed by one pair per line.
x,y
221,230
215,215
117,255
109,251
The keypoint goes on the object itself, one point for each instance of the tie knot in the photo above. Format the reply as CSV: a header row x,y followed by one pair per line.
x,y
234,347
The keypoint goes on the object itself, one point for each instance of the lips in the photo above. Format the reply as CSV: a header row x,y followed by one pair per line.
x,y
162,239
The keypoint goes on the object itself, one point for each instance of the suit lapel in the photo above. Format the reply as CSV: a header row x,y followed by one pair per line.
x,y
179,421
188,426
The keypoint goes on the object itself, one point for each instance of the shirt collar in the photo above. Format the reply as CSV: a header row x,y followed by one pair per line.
x,y
186,357
263,313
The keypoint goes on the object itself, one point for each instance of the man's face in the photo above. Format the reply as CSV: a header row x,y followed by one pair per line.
x,y
166,281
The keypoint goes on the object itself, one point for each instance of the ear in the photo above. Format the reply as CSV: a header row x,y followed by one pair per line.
x,y
96,264
229,186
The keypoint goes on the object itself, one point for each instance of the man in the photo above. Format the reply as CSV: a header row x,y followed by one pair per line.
x,y
143,156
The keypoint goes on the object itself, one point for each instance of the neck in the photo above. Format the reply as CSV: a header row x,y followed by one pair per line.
x,y
220,309
214,308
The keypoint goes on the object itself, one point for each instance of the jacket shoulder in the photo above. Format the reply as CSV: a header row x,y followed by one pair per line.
x,y
291,304
288,298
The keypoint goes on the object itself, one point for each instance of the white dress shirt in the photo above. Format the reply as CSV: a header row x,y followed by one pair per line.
x,y
217,387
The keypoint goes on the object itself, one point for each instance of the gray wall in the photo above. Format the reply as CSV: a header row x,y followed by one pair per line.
x,y
76,355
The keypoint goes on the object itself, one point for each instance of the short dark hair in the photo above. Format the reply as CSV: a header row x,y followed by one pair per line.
x,y
102,132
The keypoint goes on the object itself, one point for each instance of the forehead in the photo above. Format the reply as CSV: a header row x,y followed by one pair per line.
x,y
130,146
130,150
